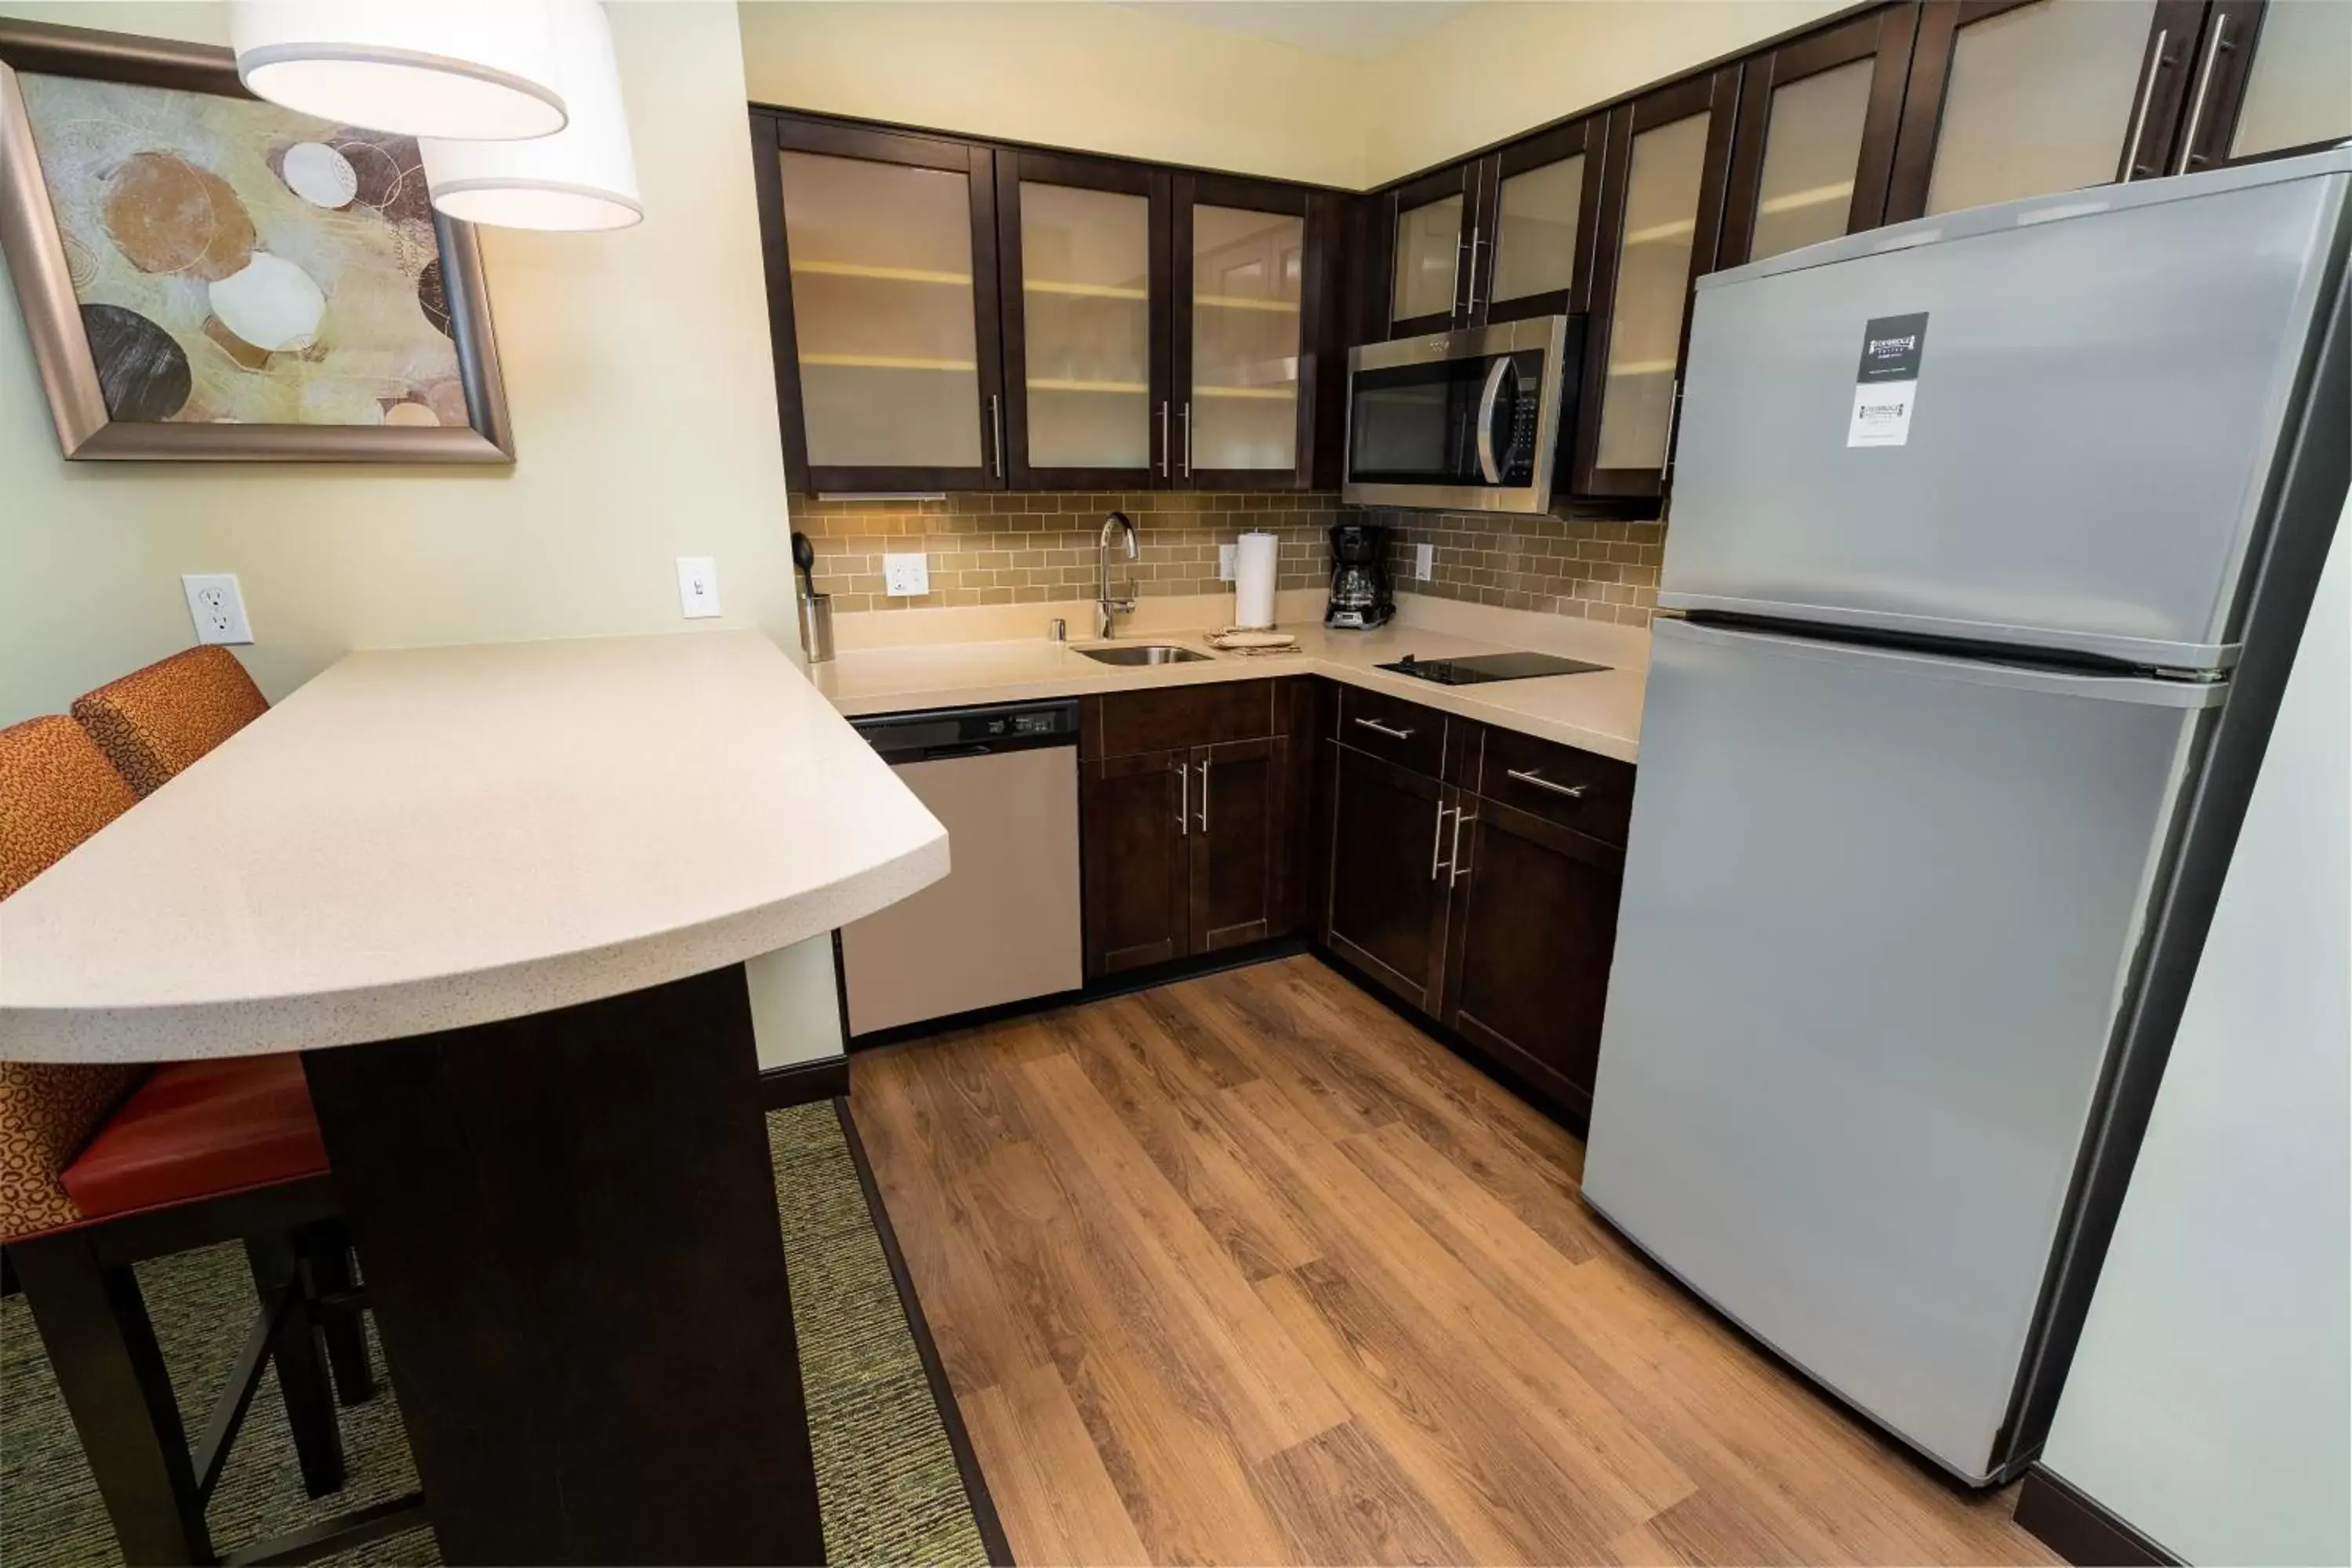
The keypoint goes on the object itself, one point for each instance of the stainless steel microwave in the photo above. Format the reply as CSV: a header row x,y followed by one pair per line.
x,y
1467,421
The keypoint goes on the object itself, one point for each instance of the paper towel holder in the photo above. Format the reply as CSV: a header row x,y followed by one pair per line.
x,y
1256,573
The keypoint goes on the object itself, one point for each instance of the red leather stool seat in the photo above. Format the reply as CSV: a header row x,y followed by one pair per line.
x,y
195,1129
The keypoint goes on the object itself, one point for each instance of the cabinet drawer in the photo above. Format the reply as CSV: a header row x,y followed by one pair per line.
x,y
1576,789
1176,717
1404,732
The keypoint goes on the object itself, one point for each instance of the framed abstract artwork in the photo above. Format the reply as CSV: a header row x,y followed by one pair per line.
x,y
208,277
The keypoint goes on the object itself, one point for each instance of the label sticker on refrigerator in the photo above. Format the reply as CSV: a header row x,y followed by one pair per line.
x,y
1886,387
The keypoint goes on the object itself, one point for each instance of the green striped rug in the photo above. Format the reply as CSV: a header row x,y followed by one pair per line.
x,y
886,1478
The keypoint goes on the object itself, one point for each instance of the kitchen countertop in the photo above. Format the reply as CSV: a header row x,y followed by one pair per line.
x,y
434,837
1597,712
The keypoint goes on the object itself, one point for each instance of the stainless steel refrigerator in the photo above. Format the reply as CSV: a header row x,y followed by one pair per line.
x,y
1991,540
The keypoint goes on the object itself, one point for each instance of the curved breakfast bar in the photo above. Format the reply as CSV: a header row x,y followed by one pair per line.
x,y
501,896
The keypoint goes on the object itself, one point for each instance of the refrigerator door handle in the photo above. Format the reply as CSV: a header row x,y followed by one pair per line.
x,y
2149,690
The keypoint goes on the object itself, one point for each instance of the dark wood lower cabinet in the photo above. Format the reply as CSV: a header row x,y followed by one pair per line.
x,y
1533,923
1137,869
1386,911
1230,841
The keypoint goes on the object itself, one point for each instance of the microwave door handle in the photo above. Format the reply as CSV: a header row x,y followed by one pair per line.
x,y
1486,465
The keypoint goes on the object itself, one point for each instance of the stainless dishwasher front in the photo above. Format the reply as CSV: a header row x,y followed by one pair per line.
x,y
1003,925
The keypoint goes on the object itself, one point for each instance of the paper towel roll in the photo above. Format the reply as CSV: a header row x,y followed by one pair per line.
x,y
1253,575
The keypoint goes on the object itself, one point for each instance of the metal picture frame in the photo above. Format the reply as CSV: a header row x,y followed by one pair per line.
x,y
36,255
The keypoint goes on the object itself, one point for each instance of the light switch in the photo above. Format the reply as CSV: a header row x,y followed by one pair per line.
x,y
906,576
697,587
217,607
1424,558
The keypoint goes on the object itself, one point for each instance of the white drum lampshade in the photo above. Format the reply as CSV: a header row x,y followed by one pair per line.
x,y
481,70
582,177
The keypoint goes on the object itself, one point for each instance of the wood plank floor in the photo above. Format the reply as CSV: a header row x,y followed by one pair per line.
x,y
1247,1269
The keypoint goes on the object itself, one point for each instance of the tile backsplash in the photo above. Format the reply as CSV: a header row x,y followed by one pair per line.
x,y
1600,570
988,548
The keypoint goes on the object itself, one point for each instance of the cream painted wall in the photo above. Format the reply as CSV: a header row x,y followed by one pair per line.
x,y
1065,73
643,406
1492,70
1118,79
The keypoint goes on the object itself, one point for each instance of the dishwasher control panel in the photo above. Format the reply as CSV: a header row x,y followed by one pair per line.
x,y
964,731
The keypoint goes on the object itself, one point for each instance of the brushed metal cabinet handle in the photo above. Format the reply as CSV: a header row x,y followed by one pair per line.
x,y
1453,858
1203,817
1573,792
1378,728
1183,799
1437,837
997,436
1186,414
2139,114
2188,153
1163,440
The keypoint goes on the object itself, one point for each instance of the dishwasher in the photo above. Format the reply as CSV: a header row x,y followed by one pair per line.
x,y
1003,925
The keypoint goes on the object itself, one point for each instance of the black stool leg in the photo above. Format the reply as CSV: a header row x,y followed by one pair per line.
x,y
301,1363
94,1326
326,1251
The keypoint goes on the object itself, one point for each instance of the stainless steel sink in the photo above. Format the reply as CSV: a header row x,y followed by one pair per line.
x,y
1142,653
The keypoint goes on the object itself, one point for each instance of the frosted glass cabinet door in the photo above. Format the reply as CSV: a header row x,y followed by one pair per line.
x,y
2028,99
1430,239
892,326
1815,148
1540,198
1086,297
1664,209
1238,361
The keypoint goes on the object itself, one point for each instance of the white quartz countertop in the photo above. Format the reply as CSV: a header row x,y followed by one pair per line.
x,y
1597,712
434,838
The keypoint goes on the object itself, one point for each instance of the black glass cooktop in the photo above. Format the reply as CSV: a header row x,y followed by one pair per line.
x,y
1487,666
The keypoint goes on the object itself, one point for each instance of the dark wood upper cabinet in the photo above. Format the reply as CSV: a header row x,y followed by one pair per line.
x,y
1660,218
882,306
2270,81
1084,244
2028,98
1249,308
1539,208
1426,249
1814,152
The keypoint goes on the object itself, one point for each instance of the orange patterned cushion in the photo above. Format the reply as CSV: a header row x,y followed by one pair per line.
x,y
155,722
56,790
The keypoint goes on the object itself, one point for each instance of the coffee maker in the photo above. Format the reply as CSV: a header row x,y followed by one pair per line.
x,y
1359,577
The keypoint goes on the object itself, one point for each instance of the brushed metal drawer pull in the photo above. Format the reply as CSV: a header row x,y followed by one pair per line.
x,y
1378,728
1184,800
1460,870
1437,837
1203,817
1573,792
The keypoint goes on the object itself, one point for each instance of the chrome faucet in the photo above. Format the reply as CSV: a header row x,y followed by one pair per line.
x,y
1116,524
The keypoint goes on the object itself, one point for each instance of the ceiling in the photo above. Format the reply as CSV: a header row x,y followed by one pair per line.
x,y
1363,29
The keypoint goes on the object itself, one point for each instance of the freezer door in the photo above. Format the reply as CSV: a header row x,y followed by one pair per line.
x,y
2092,408
1877,914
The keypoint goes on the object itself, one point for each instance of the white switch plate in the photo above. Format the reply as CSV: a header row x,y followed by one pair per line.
x,y
906,576
1225,554
217,607
697,587
1424,558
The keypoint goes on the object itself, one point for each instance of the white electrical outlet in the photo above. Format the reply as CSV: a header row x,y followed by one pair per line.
x,y
217,607
1225,557
906,576
1424,557
697,587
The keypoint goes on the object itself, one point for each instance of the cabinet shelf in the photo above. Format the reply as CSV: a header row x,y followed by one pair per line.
x,y
1082,290
1118,388
884,273
1641,367
1245,302
1286,393
886,361
1660,233
1816,196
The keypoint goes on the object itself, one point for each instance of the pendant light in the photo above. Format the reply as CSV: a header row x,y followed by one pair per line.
x,y
582,177
479,69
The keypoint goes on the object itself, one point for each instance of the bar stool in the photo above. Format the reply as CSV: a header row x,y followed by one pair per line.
x,y
155,721
152,724
103,1166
